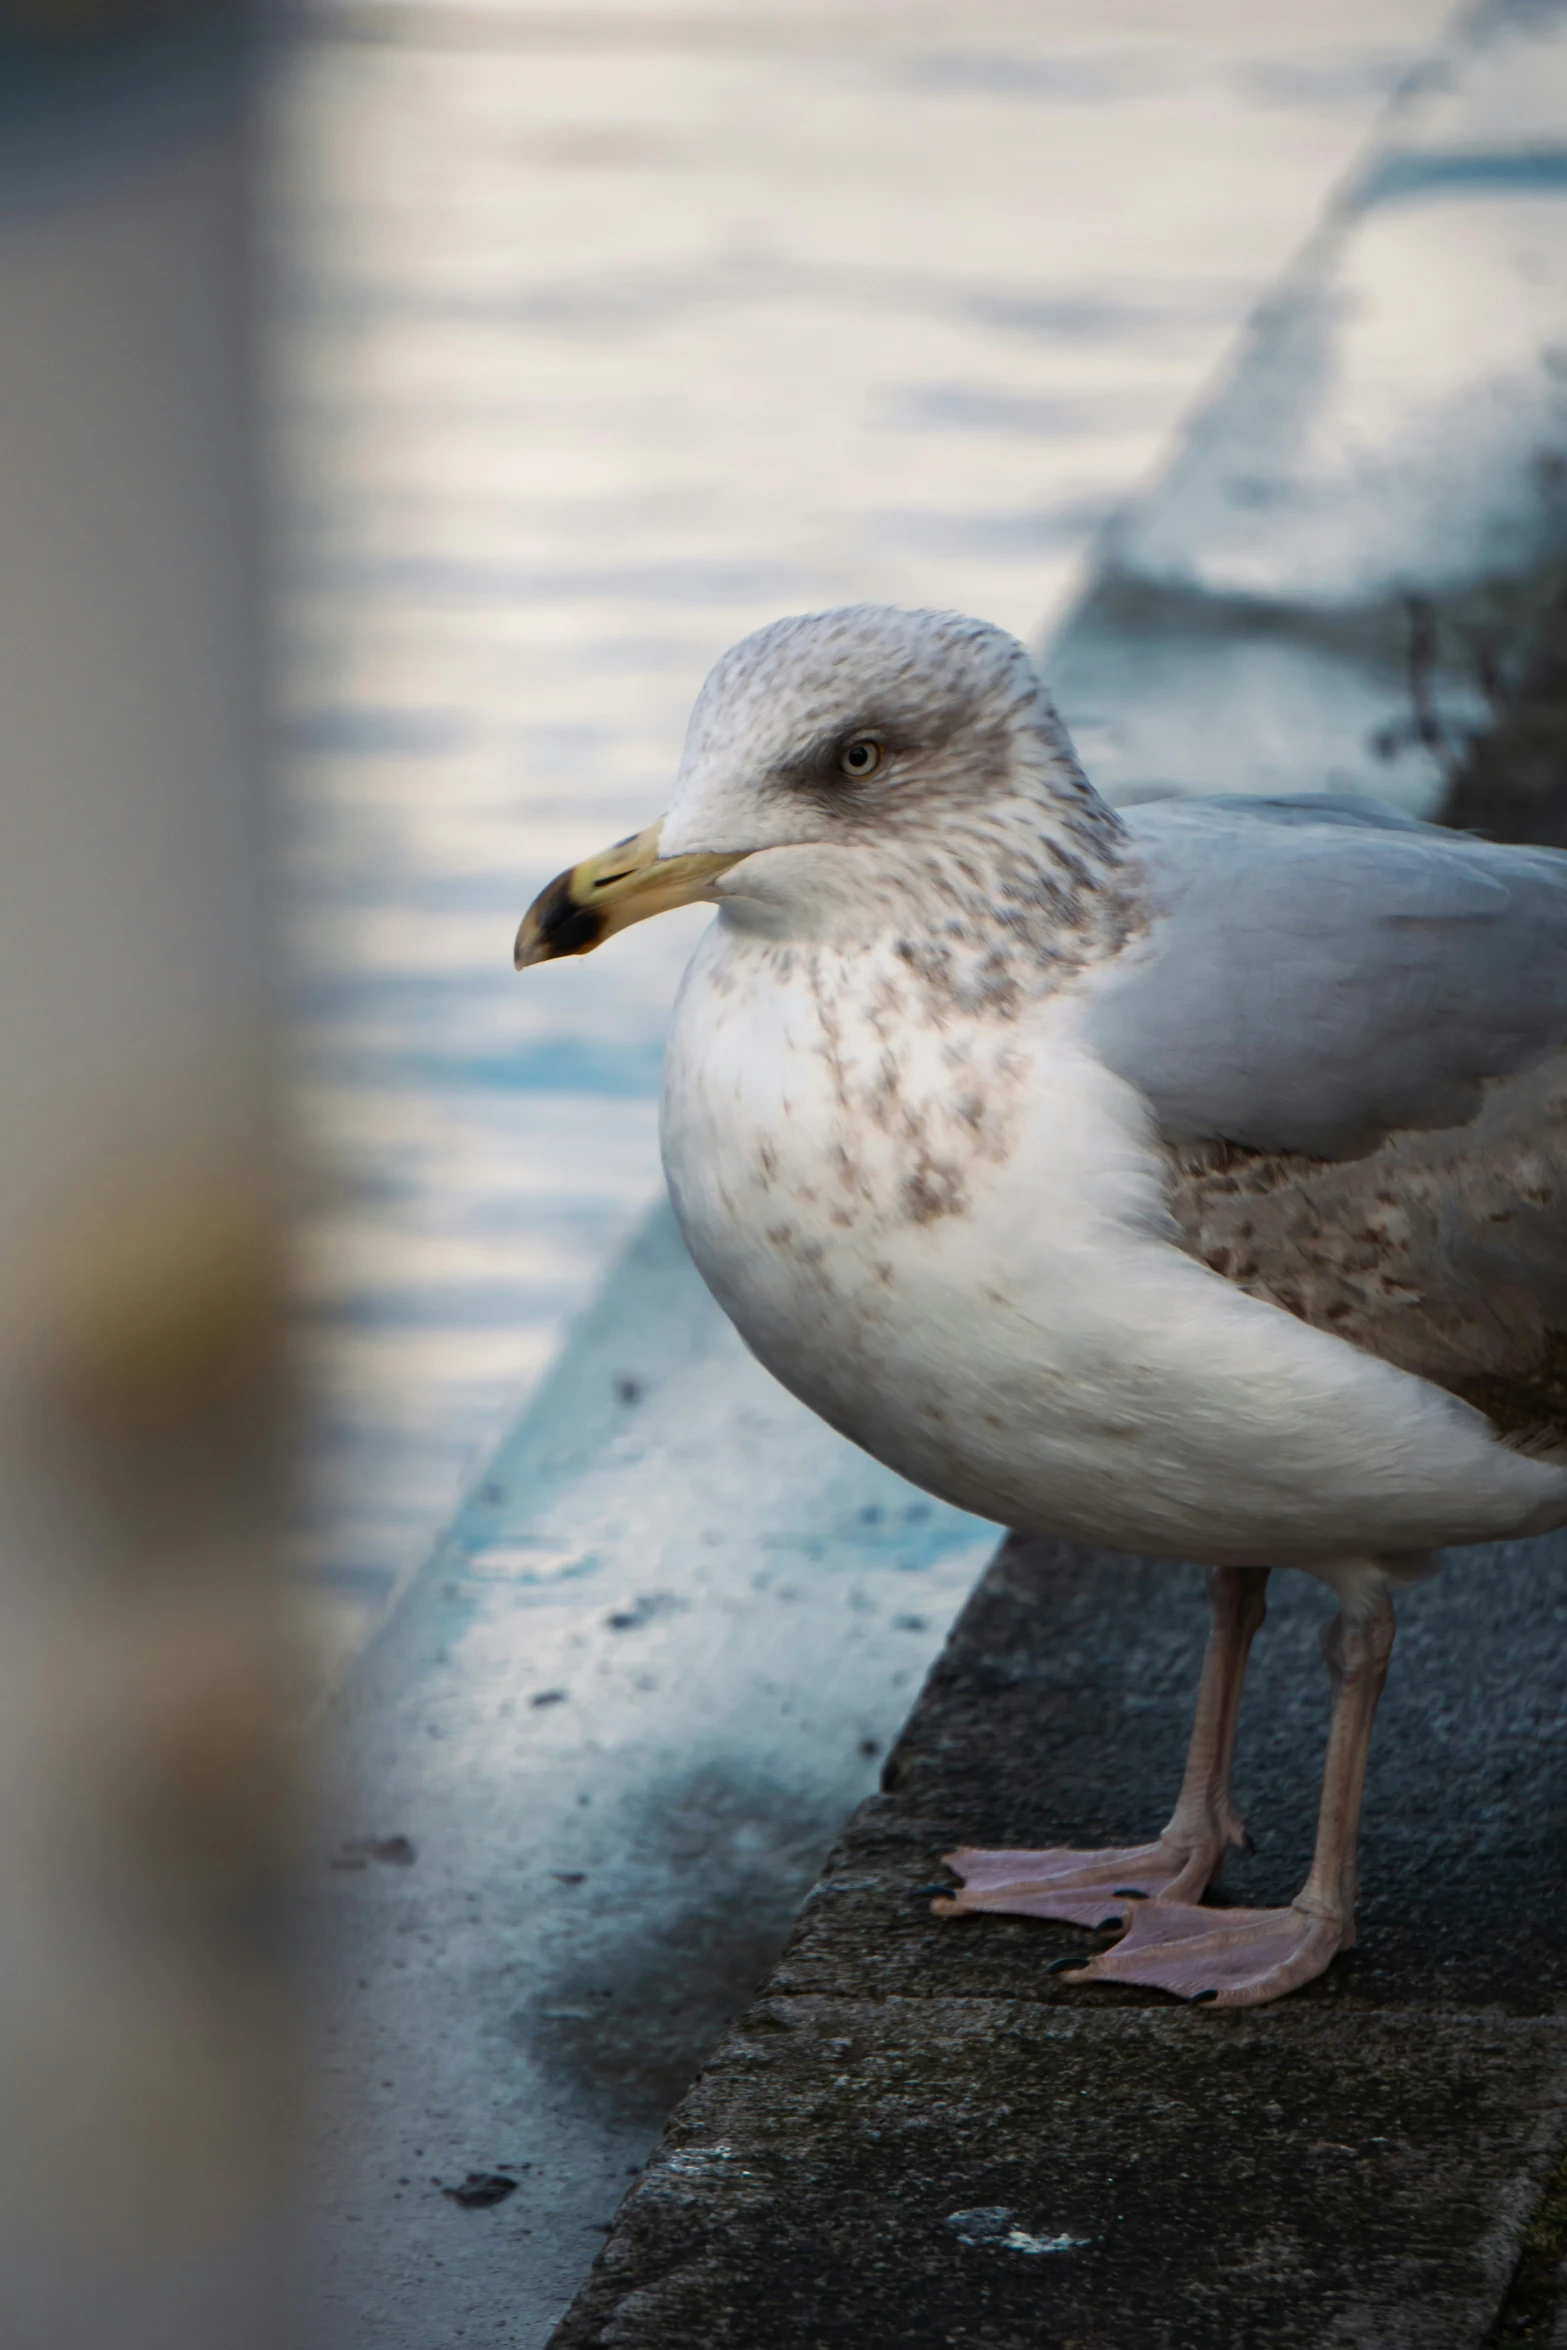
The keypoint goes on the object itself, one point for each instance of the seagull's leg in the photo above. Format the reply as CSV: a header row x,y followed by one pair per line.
x,y
1243,1957
1205,1821
1088,1888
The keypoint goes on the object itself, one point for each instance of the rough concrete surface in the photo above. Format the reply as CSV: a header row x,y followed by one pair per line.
x,y
573,1794
919,2136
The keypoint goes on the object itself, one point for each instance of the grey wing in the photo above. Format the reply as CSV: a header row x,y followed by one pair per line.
x,y
1316,973
1352,1030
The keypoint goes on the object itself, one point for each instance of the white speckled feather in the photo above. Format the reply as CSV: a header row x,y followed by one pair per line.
x,y
1040,1351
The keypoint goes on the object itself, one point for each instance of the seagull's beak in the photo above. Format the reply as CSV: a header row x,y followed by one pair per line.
x,y
603,894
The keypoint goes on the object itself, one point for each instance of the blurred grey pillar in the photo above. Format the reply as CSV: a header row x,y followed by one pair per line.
x,y
145,2028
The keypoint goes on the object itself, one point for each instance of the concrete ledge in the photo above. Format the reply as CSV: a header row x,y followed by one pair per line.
x,y
576,1788
919,2136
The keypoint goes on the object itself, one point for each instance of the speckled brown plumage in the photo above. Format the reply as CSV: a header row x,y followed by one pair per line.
x,y
1444,1252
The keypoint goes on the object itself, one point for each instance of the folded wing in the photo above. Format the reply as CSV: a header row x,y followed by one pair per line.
x,y
1352,1030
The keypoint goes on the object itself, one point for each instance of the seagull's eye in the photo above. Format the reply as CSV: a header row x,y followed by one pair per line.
x,y
861,757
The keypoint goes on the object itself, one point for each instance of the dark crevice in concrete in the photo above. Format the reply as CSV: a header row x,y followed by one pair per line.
x,y
1534,2298
1509,780
919,2135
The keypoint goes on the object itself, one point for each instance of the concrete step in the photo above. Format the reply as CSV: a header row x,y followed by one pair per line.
x,y
919,2136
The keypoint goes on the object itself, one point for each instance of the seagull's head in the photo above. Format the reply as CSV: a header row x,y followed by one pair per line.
x,y
834,763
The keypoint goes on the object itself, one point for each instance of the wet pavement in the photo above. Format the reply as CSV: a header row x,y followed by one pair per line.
x,y
577,1785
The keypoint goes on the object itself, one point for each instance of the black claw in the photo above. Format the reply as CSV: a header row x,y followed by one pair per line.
x,y
1199,1998
1129,1893
1059,1966
932,1892
1105,1924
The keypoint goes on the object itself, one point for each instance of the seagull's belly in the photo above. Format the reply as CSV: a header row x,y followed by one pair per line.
x,y
954,1248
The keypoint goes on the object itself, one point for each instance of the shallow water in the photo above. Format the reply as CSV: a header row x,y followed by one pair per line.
x,y
602,338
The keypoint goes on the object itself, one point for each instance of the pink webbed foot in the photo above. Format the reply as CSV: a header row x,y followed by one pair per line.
x,y
1079,1888
1229,1957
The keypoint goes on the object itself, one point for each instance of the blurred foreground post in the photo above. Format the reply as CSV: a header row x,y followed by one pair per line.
x,y
146,2043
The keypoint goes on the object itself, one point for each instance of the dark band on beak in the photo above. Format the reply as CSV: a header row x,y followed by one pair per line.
x,y
578,910
562,926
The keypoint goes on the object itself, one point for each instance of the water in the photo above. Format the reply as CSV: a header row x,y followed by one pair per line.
x,y
602,338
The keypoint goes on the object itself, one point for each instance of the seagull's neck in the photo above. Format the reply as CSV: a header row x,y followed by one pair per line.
x,y
1015,901
973,909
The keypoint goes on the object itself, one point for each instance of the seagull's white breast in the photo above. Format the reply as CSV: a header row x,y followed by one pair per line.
x,y
945,1231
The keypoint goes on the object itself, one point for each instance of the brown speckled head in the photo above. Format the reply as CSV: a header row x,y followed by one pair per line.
x,y
874,773
899,772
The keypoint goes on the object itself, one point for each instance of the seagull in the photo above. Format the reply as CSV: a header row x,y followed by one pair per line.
x,y
1187,1180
